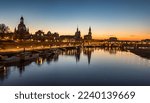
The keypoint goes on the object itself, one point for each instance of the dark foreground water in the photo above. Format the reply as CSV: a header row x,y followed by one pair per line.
x,y
81,67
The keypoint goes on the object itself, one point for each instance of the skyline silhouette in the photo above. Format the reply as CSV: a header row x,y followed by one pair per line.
x,y
125,19
21,31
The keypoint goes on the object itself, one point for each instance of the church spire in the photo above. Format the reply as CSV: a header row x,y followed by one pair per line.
x,y
77,28
90,31
22,20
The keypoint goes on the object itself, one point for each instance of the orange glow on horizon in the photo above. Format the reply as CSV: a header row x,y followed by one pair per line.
x,y
97,35
141,37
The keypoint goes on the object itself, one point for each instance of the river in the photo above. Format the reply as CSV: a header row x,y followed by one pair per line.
x,y
81,67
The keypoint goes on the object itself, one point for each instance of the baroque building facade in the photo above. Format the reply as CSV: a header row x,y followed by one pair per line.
x,y
21,32
89,35
71,38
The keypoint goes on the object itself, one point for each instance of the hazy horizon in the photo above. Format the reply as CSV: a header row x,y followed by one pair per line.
x,y
125,19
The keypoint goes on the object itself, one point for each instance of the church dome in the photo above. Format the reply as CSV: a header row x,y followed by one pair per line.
x,y
21,27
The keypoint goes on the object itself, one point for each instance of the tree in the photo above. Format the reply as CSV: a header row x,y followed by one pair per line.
x,y
4,29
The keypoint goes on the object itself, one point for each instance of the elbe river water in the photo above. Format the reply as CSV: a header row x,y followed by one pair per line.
x,y
81,67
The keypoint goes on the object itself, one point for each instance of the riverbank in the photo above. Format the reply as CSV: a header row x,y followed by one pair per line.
x,y
18,50
15,47
27,56
142,52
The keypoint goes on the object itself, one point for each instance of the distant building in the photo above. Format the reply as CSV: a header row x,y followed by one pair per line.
x,y
55,36
6,36
39,36
112,39
146,40
67,38
89,35
21,32
39,33
71,38
77,34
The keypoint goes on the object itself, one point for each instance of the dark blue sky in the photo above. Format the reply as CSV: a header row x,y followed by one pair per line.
x,y
122,18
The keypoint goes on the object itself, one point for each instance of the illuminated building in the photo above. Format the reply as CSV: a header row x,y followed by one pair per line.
x,y
112,39
89,36
71,38
21,32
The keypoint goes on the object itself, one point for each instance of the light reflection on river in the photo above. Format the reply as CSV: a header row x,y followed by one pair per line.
x,y
85,67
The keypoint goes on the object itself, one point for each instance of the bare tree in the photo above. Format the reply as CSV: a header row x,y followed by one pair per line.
x,y
4,29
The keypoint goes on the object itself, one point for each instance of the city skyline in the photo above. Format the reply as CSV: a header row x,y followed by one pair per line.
x,y
127,20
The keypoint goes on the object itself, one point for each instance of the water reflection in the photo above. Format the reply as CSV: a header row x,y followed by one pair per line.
x,y
88,53
77,53
73,52
112,50
4,72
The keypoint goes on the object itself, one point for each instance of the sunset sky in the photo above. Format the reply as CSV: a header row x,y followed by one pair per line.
x,y
125,19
